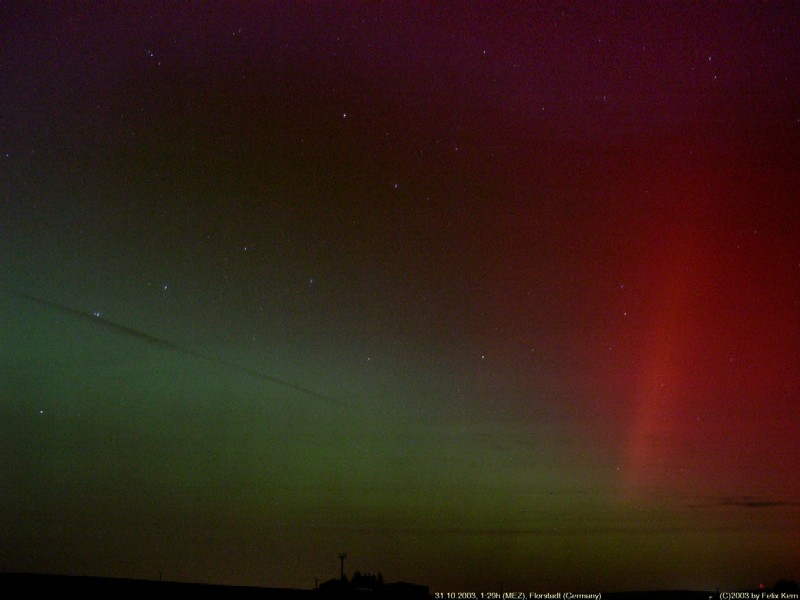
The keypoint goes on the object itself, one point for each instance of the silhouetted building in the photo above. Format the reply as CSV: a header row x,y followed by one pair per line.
x,y
335,587
367,583
372,586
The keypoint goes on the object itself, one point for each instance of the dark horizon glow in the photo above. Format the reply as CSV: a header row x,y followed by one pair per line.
x,y
480,295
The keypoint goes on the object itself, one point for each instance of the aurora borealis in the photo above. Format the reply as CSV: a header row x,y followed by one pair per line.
x,y
484,295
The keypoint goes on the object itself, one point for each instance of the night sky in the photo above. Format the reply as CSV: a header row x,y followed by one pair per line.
x,y
485,295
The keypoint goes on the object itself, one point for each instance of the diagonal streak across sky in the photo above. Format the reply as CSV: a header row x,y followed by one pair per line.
x,y
166,344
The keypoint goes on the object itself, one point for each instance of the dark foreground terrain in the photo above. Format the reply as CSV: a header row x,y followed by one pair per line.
x,y
16,586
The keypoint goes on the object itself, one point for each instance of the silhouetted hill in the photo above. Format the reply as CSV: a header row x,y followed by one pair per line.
x,y
18,586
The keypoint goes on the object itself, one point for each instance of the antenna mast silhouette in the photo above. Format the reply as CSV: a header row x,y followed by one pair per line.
x,y
342,556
